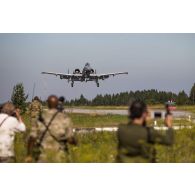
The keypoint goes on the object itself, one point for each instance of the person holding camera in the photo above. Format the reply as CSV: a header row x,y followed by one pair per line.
x,y
136,141
10,123
61,104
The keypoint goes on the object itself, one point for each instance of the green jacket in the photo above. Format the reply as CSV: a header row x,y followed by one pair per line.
x,y
136,143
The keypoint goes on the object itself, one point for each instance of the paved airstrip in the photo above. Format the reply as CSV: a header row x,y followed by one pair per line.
x,y
176,114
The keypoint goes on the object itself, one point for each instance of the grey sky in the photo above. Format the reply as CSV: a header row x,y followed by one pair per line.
x,y
159,61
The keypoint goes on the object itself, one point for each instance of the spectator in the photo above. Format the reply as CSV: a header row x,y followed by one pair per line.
x,y
136,140
10,123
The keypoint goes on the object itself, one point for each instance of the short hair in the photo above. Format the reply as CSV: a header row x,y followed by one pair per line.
x,y
8,108
1,106
61,99
52,101
36,98
136,109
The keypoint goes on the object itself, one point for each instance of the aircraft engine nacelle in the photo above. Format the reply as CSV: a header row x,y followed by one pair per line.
x,y
92,71
77,71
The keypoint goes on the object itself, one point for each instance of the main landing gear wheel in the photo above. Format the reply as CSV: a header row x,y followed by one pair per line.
x,y
98,85
72,84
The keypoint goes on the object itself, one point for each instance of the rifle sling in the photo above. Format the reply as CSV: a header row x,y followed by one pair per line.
x,y
47,127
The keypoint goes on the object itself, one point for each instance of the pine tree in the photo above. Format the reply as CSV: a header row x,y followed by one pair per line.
x,y
192,94
182,98
19,98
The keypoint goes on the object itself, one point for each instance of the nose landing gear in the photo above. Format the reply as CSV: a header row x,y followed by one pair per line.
x,y
97,83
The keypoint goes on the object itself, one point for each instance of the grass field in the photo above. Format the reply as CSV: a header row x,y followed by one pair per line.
x,y
102,146
93,120
100,107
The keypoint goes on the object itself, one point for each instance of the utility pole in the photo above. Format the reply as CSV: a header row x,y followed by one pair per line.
x,y
33,91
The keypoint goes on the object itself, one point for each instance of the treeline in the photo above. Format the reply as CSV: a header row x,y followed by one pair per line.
x,y
149,96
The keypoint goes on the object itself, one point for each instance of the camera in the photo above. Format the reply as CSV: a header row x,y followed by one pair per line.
x,y
1,106
14,114
158,115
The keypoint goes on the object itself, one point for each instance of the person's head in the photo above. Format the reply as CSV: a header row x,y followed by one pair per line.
x,y
138,111
1,106
36,98
8,108
61,99
167,105
52,102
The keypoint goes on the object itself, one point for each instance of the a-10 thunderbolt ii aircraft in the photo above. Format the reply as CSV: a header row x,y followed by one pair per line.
x,y
87,74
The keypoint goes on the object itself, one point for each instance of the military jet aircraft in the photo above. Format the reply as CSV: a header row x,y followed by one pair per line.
x,y
87,74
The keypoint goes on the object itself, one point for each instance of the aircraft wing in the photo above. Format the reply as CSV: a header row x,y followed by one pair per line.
x,y
62,75
105,76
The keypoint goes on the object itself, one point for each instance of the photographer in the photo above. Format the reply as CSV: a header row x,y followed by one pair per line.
x,y
1,106
61,104
10,123
136,140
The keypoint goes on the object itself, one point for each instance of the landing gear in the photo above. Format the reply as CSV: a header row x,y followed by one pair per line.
x,y
72,84
97,83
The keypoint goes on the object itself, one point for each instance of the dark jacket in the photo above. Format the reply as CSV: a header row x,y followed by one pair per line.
x,y
136,143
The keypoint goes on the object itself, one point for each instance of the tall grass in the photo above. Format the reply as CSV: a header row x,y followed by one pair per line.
x,y
102,146
183,150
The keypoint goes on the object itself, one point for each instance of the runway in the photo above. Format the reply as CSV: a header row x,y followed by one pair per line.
x,y
176,114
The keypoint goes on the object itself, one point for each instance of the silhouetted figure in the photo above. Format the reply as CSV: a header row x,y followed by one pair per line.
x,y
136,140
61,104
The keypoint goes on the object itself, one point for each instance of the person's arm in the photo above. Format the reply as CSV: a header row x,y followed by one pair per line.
x,y
168,137
20,124
40,107
69,136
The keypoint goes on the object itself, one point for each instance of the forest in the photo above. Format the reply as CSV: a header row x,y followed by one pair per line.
x,y
152,97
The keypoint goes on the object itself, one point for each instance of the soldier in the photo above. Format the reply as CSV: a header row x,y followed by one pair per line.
x,y
136,140
35,109
55,130
61,104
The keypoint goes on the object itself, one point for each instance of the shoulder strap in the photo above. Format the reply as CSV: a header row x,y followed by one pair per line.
x,y
4,120
47,127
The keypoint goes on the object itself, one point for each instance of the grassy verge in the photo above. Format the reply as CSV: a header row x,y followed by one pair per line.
x,y
93,120
102,146
100,107
183,151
